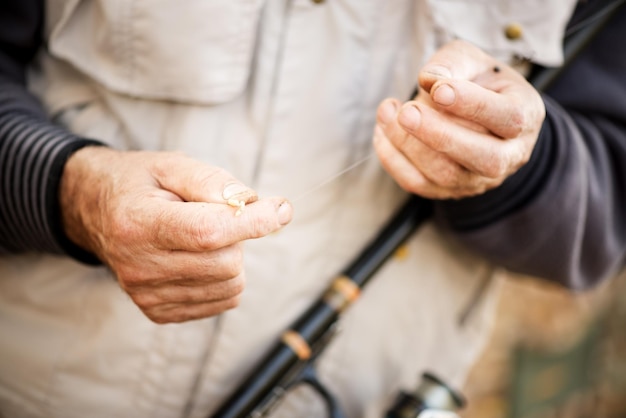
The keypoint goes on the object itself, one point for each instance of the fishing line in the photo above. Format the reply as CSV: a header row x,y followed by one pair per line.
x,y
333,178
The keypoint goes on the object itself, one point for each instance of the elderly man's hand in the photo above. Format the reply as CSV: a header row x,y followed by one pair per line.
x,y
474,122
163,223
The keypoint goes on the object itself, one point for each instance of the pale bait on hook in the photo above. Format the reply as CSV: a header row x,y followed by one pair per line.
x,y
239,204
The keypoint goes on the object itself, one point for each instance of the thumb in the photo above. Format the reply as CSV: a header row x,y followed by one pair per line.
x,y
194,181
457,59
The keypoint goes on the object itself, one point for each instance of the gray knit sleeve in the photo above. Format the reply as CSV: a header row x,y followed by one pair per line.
x,y
562,217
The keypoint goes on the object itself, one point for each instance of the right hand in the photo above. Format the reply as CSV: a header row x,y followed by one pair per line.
x,y
162,224
469,128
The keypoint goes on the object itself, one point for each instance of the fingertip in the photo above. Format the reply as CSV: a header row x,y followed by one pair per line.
x,y
237,191
410,117
378,135
443,94
432,73
285,213
387,111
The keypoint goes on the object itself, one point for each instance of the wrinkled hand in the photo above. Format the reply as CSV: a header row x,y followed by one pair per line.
x,y
161,222
474,122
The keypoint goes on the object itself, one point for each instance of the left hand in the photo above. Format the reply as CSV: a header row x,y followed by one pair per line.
x,y
163,224
474,122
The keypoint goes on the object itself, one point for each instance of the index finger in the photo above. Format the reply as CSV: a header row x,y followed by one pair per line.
x,y
198,226
455,60
194,181
500,112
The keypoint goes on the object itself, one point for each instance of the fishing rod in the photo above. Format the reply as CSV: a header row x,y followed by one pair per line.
x,y
291,360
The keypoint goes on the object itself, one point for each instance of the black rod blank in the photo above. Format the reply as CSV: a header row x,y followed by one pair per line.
x,y
283,365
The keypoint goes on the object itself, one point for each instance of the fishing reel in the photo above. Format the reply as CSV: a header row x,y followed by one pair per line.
x,y
431,399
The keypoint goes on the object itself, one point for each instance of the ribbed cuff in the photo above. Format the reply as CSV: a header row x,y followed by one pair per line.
x,y
32,156
516,192
53,207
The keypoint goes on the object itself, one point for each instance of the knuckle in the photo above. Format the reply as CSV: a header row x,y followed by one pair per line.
x,y
175,316
401,140
412,184
145,300
263,225
199,233
209,237
380,135
232,267
494,166
524,157
447,176
441,142
205,177
232,303
156,316
129,277
520,157
445,182
236,287
122,228
477,110
516,121
157,319
232,262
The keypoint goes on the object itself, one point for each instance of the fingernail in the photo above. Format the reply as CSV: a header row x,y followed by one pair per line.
x,y
444,95
438,70
232,190
410,117
285,213
388,111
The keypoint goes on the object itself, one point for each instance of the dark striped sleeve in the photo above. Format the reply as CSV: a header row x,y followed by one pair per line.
x,y
33,151
32,156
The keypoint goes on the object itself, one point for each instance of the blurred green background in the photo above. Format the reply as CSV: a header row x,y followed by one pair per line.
x,y
553,354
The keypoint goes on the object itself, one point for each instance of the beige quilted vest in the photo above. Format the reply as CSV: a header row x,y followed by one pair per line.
x,y
283,95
